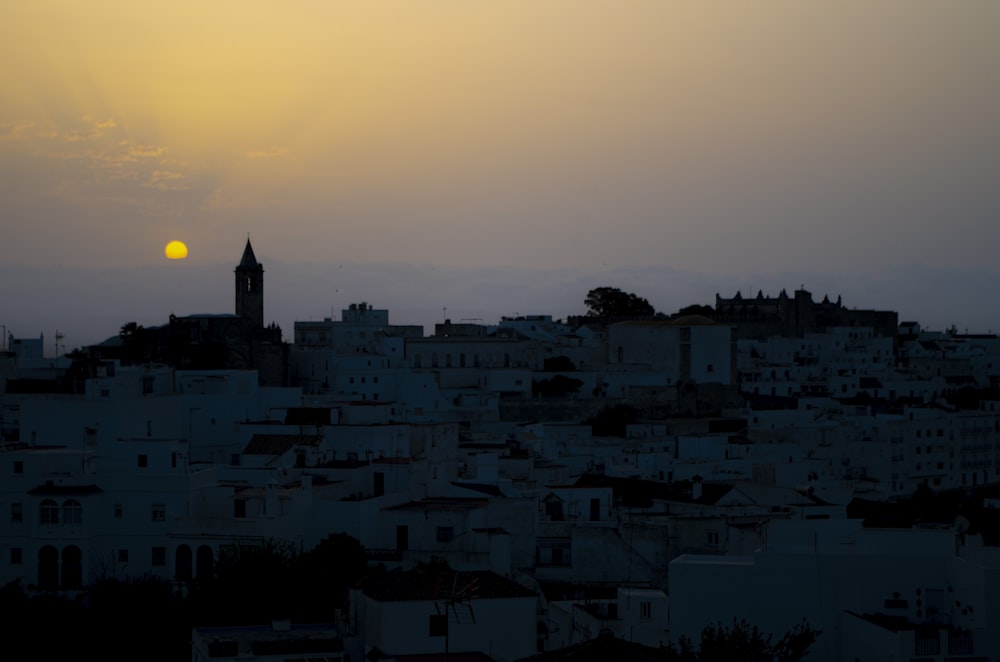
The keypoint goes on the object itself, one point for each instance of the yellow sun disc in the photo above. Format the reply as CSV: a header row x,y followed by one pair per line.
x,y
176,250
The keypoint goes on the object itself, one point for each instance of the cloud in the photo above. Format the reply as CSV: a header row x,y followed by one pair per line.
x,y
145,150
266,153
219,200
16,130
165,180
81,135
92,130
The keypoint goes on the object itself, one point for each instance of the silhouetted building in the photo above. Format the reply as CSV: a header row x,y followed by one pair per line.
x,y
250,288
761,317
211,341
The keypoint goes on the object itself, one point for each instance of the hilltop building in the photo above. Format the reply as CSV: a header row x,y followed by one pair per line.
x,y
795,316
226,341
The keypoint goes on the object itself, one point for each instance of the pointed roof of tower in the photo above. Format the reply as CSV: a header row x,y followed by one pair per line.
x,y
249,259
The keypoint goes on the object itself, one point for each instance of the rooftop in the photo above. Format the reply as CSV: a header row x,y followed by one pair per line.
x,y
429,584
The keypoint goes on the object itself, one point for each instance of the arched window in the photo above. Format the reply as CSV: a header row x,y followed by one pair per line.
x,y
49,512
72,512
182,563
48,568
206,562
72,567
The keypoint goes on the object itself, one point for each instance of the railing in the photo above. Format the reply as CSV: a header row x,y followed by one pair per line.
x,y
960,644
926,645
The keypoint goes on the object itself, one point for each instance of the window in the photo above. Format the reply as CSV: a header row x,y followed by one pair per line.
x,y
72,512
16,513
645,609
18,467
159,512
123,556
143,461
712,538
49,512
240,508
118,511
16,556
445,533
159,556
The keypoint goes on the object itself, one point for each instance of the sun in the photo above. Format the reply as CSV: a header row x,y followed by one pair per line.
x,y
176,250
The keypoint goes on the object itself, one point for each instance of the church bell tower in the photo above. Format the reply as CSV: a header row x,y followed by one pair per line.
x,y
250,288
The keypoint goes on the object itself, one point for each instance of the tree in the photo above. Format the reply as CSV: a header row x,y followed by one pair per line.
x,y
694,309
613,421
251,584
323,575
559,363
612,302
744,642
135,342
130,330
556,387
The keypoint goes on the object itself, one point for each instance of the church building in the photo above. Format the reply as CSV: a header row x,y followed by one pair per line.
x,y
218,341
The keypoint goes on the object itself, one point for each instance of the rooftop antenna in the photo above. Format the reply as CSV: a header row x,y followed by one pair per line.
x,y
453,604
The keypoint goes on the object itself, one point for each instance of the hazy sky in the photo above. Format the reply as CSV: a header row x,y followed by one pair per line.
x,y
708,145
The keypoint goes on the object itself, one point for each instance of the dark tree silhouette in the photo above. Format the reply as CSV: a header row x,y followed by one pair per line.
x,y
612,302
259,582
325,573
744,642
694,309
556,387
251,584
613,421
559,364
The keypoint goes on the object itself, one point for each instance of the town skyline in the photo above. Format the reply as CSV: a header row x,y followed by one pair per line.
x,y
639,463
87,306
849,148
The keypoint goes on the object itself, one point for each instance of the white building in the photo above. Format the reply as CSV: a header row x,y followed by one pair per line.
x,y
425,611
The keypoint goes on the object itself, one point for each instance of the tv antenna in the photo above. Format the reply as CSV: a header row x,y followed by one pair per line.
x,y
452,604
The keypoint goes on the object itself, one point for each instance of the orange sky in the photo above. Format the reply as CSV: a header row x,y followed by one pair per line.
x,y
726,136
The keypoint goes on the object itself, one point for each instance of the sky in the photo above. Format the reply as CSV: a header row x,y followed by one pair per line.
x,y
473,159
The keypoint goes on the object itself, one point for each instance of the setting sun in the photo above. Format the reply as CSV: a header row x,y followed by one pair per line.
x,y
176,250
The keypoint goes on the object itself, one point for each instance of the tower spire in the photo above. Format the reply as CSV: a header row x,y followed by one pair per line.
x,y
250,288
249,260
